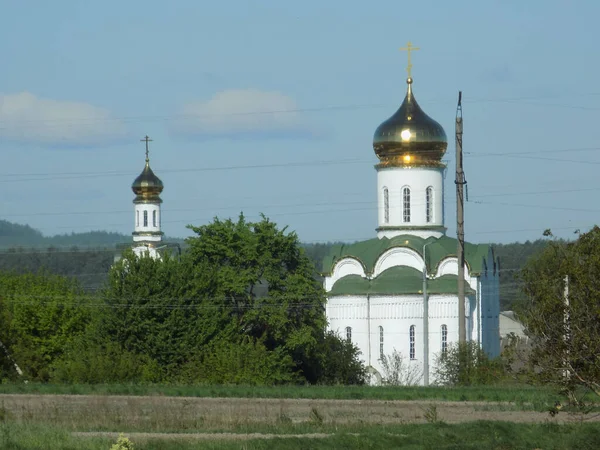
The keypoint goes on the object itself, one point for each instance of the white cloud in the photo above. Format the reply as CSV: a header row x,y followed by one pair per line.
x,y
248,113
27,118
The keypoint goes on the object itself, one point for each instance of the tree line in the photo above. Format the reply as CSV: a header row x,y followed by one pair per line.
x,y
241,305
87,257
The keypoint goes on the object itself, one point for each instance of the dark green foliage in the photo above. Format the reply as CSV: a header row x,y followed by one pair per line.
x,y
240,306
262,287
466,364
339,362
42,315
512,258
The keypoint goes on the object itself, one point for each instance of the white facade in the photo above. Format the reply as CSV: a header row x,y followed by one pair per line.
x,y
147,222
383,323
408,198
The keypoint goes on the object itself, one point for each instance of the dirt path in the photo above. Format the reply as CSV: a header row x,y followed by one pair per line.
x,y
137,437
156,413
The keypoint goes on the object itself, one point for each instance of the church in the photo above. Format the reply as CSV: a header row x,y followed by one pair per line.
x,y
399,290
147,234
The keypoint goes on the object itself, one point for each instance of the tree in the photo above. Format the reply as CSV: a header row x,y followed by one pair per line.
x,y
42,315
262,286
563,315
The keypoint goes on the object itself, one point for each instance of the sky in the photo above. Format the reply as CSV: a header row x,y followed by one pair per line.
x,y
270,107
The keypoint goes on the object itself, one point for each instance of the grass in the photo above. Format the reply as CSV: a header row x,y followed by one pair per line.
x,y
518,394
473,435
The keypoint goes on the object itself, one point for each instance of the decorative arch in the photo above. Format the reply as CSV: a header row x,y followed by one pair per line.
x,y
347,266
449,266
398,256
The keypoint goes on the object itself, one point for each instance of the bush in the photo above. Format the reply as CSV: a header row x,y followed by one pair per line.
x,y
467,364
397,372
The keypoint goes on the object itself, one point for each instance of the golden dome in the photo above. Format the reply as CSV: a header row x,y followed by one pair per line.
x,y
147,186
410,137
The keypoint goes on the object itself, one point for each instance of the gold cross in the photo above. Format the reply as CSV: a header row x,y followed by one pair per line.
x,y
146,140
409,48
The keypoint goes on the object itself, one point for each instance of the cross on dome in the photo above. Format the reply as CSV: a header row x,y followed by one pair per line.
x,y
146,140
409,48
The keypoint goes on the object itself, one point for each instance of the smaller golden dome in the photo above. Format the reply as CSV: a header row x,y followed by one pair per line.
x,y
410,137
147,186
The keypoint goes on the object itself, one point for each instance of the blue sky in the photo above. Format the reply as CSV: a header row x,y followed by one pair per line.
x,y
82,82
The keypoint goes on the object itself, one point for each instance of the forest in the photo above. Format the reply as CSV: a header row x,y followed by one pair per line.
x,y
87,257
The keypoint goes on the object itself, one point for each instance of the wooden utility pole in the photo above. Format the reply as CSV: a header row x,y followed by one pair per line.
x,y
460,223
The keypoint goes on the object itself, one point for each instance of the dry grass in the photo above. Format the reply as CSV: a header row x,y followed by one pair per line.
x,y
192,414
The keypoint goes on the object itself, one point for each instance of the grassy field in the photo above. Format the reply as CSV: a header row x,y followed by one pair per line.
x,y
38,416
474,435
518,394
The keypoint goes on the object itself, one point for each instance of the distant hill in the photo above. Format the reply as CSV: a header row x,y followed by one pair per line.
x,y
14,235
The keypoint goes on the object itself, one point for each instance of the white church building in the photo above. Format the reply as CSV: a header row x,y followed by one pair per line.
x,y
147,233
375,288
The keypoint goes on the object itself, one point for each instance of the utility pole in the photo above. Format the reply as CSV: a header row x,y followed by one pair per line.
x,y
425,322
460,223
566,371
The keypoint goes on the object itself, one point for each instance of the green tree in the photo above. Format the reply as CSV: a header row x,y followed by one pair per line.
x,y
563,314
147,312
262,287
42,315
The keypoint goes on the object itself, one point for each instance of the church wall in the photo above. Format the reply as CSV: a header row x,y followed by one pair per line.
x,y
396,314
350,311
490,311
417,179
152,223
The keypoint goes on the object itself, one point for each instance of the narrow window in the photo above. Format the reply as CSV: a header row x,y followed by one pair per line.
x,y
349,334
429,204
145,218
137,218
154,218
444,339
380,342
406,200
412,342
386,205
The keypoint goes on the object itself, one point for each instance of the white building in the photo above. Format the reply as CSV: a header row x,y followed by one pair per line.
x,y
375,289
147,234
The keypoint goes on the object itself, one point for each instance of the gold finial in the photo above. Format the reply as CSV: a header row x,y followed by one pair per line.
x,y
409,48
146,140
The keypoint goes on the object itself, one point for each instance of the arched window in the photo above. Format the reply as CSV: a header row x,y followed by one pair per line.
x,y
444,339
412,342
137,218
145,218
429,204
349,334
380,342
154,218
386,205
406,204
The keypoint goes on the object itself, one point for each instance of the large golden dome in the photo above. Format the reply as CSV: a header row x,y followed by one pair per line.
x,y
147,186
410,137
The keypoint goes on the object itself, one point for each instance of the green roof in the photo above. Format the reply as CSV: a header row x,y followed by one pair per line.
x,y
438,249
399,280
